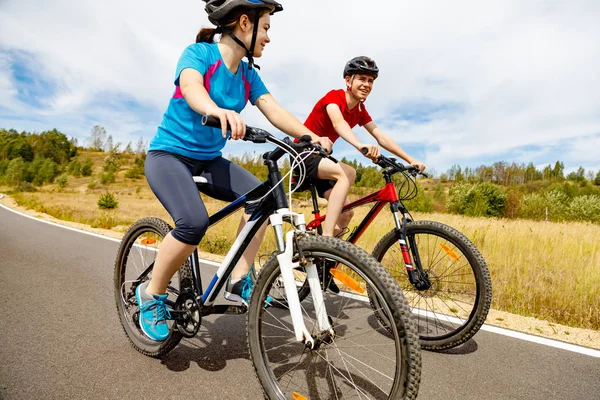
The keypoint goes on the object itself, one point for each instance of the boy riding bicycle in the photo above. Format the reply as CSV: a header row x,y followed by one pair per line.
x,y
334,116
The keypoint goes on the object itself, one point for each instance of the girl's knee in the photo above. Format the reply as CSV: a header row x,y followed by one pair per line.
x,y
190,231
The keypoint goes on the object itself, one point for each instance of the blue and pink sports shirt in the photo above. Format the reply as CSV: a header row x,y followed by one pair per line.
x,y
181,130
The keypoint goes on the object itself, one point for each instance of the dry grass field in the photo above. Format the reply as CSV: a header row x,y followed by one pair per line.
x,y
547,270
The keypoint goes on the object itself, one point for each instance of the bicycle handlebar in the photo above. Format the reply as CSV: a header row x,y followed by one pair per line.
x,y
389,162
257,135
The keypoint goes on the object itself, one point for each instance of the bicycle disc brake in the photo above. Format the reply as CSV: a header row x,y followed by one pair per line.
x,y
189,321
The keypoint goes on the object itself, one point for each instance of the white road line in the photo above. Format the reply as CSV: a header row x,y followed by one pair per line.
x,y
488,328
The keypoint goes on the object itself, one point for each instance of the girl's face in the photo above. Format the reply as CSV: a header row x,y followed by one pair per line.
x,y
360,86
262,38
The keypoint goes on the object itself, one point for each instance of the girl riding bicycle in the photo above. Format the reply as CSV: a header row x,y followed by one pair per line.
x,y
210,79
334,116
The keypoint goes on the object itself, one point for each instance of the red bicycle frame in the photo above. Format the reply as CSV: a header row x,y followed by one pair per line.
x,y
382,197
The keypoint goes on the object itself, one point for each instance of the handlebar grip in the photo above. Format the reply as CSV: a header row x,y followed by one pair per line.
x,y
364,150
213,122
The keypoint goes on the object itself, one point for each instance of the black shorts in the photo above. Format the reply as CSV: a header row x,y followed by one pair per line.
x,y
312,167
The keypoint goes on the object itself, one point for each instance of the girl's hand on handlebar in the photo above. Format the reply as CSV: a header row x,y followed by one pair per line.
x,y
370,151
235,121
325,143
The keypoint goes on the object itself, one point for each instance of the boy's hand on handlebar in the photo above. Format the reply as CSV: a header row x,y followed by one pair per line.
x,y
370,151
419,165
235,121
325,143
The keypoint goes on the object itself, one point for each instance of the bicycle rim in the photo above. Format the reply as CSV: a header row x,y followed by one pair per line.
x,y
364,360
454,307
137,255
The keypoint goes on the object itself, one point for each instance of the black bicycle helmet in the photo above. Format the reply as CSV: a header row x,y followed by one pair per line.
x,y
361,65
217,10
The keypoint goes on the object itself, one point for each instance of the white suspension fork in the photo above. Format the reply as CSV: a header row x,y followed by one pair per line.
x,y
287,266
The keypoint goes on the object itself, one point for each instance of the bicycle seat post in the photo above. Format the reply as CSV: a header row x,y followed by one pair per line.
x,y
315,201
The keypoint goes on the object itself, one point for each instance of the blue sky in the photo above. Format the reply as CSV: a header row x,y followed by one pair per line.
x,y
463,82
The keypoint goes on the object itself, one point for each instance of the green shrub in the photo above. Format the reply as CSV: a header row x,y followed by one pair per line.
x,y
482,199
107,177
86,167
75,168
62,180
25,187
134,172
584,208
535,205
107,201
111,163
46,172
422,202
105,220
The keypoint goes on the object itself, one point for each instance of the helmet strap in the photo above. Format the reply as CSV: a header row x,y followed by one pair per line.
x,y
249,52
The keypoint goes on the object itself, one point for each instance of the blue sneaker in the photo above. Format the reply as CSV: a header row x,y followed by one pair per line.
x,y
153,313
241,291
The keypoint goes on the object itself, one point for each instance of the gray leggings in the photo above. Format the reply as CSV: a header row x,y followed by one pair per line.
x,y
170,178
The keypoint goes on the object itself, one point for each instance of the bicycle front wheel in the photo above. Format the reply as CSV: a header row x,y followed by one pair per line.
x,y
135,260
453,305
363,359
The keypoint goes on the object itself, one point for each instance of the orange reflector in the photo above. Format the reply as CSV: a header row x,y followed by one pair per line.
x,y
346,280
149,241
449,252
299,396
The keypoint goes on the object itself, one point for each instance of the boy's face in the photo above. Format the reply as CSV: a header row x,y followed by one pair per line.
x,y
360,86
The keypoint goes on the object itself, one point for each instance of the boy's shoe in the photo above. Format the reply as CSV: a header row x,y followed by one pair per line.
x,y
327,281
153,313
242,291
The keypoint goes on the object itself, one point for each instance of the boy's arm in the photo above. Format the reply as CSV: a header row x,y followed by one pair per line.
x,y
387,143
343,129
283,120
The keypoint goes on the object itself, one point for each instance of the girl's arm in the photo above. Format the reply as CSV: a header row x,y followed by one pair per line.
x,y
387,143
283,120
192,87
343,129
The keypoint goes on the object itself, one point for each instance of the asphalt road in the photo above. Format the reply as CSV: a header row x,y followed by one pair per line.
x,y
61,339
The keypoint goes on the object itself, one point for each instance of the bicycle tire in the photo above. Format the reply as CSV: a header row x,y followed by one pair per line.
x,y
346,311
454,310
151,230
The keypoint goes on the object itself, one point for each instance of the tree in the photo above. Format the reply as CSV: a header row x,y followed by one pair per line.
x,y
578,176
597,180
558,172
109,144
140,148
128,149
97,136
15,172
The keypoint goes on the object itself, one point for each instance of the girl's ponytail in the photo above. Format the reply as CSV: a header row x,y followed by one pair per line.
x,y
208,34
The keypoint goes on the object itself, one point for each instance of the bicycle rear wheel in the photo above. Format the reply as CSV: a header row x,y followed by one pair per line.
x,y
454,307
362,360
135,259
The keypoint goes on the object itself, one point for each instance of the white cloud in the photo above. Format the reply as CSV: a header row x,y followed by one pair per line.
x,y
517,74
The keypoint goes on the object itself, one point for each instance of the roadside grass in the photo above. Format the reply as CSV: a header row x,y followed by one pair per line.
x,y
546,270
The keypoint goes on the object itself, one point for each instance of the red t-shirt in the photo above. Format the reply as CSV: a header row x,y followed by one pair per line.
x,y
319,122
